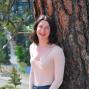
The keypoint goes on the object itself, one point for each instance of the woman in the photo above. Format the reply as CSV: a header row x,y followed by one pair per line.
x,y
47,58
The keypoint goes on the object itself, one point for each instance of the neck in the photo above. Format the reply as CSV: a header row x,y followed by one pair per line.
x,y
43,43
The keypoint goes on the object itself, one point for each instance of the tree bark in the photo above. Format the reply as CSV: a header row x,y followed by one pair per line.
x,y
72,21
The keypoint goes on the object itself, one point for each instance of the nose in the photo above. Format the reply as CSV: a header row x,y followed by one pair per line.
x,y
43,30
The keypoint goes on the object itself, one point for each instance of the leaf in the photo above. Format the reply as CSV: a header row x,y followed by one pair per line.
x,y
10,26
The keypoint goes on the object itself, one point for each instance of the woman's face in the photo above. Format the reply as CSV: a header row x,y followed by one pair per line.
x,y
43,30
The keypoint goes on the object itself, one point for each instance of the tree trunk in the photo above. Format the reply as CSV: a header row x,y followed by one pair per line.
x,y
71,17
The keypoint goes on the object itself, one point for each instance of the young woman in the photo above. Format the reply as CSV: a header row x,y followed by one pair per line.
x,y
47,58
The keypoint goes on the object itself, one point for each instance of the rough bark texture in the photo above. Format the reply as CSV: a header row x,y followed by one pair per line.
x,y
71,17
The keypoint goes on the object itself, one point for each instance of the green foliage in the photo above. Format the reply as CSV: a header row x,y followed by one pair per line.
x,y
3,39
30,29
15,78
4,54
10,19
22,54
4,4
22,66
16,21
2,57
10,26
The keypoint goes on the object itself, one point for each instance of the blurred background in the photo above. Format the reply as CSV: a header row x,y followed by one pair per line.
x,y
16,24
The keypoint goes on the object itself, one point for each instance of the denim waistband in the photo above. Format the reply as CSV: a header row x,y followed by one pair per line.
x,y
41,87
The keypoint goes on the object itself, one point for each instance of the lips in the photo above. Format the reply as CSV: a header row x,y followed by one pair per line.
x,y
42,34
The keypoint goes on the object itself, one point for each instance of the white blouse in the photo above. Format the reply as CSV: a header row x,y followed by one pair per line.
x,y
47,68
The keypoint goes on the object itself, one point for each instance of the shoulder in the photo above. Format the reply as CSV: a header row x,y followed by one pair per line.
x,y
57,48
58,53
32,45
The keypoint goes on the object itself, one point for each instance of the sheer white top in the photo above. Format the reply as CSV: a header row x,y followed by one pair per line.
x,y
48,68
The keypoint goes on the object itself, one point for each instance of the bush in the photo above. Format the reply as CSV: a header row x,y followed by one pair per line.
x,y
4,52
22,54
14,80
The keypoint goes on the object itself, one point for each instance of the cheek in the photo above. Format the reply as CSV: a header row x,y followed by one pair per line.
x,y
48,32
38,30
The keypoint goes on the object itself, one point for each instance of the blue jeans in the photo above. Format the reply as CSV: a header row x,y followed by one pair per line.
x,y
41,87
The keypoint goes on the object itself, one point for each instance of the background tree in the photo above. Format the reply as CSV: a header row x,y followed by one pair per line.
x,y
22,54
4,49
15,78
16,16
72,21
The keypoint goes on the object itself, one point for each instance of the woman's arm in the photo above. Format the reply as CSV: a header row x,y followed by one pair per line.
x,y
59,63
31,79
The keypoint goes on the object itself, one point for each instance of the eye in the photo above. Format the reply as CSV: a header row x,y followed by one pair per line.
x,y
47,27
40,26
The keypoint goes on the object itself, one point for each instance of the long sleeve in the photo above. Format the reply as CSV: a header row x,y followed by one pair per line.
x,y
59,64
31,79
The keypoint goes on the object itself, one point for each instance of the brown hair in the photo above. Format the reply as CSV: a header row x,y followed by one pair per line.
x,y
53,30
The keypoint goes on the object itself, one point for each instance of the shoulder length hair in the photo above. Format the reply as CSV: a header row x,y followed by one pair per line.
x,y
53,30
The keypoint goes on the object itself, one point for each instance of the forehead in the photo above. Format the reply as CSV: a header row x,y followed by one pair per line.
x,y
43,22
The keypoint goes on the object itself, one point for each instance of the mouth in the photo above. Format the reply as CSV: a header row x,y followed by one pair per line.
x,y
42,34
